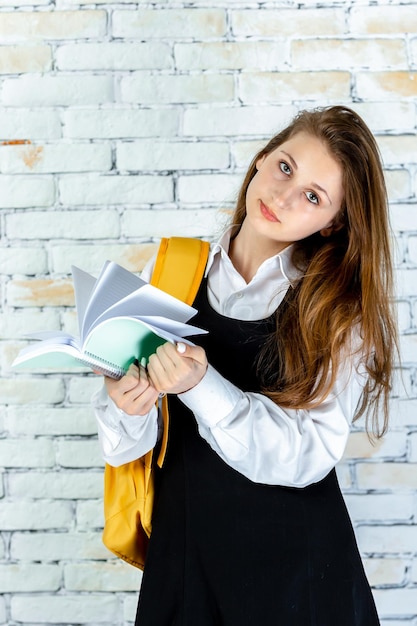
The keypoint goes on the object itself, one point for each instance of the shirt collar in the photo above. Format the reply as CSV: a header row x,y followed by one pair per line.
x,y
281,260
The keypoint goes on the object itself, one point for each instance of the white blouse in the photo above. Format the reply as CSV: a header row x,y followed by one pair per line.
x,y
263,441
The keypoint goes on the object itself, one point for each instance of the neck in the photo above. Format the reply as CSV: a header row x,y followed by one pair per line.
x,y
248,251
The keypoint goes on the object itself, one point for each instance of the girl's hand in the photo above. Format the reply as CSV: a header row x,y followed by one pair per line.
x,y
175,369
134,393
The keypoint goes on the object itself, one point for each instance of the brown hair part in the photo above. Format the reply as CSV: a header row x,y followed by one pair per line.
x,y
347,279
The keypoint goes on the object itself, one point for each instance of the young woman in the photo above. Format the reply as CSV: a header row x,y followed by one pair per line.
x,y
249,525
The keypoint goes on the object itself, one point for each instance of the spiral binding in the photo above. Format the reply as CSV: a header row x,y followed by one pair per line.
x,y
104,367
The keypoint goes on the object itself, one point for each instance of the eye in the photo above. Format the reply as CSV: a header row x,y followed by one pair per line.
x,y
284,167
311,197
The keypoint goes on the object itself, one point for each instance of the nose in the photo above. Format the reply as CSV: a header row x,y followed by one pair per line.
x,y
283,197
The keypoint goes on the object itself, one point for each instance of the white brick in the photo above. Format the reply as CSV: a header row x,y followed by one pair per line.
x,y
131,601
107,190
23,59
144,88
412,249
21,420
198,223
396,602
22,3
402,384
81,388
60,485
281,87
404,316
381,19
113,576
244,120
385,116
244,151
90,515
164,155
44,159
398,185
40,292
2,610
92,257
24,390
398,150
414,571
394,444
413,451
398,476
380,507
79,609
114,56
25,124
210,188
71,90
14,325
231,55
169,24
404,217
331,54
406,282
386,85
408,345
79,454
413,48
27,453
398,539
344,475
288,22
29,577
28,26
120,123
57,546
16,260
385,571
41,515
18,192
78,224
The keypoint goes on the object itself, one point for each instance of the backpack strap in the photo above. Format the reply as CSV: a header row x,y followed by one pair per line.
x,y
180,266
179,269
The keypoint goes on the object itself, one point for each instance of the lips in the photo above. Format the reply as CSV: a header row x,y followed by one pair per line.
x,y
271,217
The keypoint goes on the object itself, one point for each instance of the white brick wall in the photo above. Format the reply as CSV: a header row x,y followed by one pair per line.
x,y
120,124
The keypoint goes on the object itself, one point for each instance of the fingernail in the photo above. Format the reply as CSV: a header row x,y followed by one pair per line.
x,y
181,347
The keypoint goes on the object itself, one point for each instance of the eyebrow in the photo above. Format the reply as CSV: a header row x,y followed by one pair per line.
x,y
315,185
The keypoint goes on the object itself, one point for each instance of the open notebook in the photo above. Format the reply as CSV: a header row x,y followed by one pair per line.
x,y
121,318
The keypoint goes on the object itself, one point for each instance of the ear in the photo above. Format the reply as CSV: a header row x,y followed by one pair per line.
x,y
260,161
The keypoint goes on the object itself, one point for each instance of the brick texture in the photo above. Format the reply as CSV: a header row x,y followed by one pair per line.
x,y
121,123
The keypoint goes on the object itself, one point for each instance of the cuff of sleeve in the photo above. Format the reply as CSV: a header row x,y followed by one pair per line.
x,y
212,399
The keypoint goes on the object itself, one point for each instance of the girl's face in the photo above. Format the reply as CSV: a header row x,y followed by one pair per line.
x,y
297,191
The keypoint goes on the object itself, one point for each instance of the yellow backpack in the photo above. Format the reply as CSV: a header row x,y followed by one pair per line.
x,y
129,488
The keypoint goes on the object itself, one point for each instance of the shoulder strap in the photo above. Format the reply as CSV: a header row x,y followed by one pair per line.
x,y
179,267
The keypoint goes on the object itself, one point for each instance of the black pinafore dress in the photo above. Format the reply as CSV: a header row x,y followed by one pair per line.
x,y
226,551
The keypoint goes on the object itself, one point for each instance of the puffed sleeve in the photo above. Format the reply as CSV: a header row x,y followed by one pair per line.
x,y
269,444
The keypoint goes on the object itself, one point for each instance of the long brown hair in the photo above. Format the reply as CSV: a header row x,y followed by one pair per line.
x,y
346,283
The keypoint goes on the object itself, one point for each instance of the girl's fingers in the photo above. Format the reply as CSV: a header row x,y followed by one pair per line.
x,y
133,393
177,368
